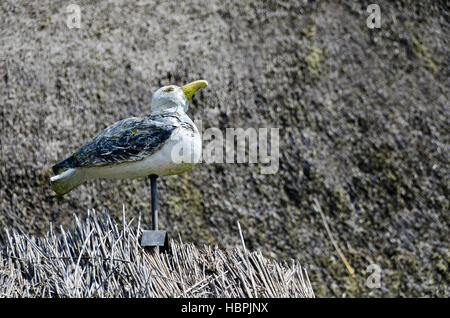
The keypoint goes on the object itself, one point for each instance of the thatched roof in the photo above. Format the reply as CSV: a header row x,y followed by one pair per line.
x,y
100,258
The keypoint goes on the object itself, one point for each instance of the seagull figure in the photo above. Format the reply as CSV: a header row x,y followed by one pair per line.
x,y
165,142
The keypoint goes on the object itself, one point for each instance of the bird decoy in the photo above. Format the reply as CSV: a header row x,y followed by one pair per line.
x,y
165,142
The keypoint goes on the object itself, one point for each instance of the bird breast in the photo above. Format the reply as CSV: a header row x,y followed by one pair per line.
x,y
177,155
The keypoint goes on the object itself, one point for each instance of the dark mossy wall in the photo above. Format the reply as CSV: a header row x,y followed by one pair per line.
x,y
363,117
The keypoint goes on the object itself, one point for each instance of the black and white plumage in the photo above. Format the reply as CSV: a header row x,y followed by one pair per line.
x,y
164,142
128,140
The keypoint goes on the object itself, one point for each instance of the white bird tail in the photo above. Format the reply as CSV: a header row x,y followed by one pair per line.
x,y
68,180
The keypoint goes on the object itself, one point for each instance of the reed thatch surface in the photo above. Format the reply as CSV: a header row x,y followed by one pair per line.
x,y
100,258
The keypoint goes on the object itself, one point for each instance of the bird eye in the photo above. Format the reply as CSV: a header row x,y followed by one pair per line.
x,y
167,90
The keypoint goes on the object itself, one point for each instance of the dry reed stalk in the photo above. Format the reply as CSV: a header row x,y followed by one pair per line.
x,y
100,258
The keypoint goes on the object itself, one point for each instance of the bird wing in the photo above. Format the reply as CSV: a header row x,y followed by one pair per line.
x,y
131,139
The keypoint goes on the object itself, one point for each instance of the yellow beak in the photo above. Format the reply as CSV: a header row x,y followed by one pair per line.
x,y
190,89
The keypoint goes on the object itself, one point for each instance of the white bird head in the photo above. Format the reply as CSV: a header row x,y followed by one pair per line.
x,y
172,97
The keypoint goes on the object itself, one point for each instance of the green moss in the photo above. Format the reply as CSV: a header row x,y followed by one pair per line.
x,y
351,286
340,198
187,209
313,61
421,52
441,265
310,31
134,131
